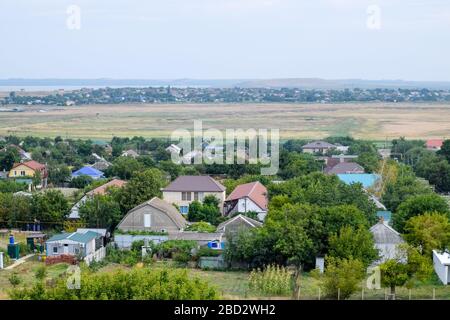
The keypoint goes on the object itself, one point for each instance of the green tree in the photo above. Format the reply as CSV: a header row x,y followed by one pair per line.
x,y
369,161
81,182
50,207
445,150
341,277
350,243
429,231
58,174
101,211
142,187
8,158
418,205
124,168
207,211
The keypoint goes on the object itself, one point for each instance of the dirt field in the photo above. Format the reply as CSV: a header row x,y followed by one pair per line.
x,y
376,121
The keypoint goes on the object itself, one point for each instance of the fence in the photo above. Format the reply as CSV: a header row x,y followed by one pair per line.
x,y
97,256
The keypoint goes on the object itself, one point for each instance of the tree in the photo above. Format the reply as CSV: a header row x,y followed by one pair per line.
x,y
369,161
397,272
101,211
341,277
81,182
8,158
418,205
124,168
142,187
445,150
353,244
428,232
58,174
50,207
207,211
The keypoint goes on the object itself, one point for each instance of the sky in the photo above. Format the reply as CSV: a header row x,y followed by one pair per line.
x,y
225,39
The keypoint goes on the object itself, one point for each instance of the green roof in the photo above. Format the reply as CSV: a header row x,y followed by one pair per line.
x,y
75,236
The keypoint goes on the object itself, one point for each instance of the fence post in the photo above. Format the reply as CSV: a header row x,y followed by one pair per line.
x,y
339,293
362,294
409,294
319,293
434,293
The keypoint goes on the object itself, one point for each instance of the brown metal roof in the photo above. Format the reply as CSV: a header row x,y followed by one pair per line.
x,y
256,191
195,184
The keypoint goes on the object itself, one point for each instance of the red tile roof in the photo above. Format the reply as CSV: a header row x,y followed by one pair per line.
x,y
434,143
102,189
256,191
34,165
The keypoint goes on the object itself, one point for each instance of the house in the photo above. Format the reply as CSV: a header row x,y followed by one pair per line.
x,y
441,264
345,168
173,149
29,170
101,165
318,147
387,241
237,223
367,180
88,171
155,215
83,244
341,148
130,153
434,144
249,197
186,189
74,212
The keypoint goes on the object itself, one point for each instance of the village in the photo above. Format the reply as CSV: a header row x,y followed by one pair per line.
x,y
336,207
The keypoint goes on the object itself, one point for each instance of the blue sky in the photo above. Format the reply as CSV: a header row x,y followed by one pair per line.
x,y
214,39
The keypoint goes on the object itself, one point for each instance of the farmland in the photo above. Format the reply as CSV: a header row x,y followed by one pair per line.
x,y
374,121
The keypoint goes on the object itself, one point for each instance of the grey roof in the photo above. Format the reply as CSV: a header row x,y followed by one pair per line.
x,y
346,167
196,236
165,207
251,222
195,184
82,237
319,144
384,234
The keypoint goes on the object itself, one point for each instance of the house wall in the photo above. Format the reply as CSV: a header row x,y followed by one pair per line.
x,y
124,241
176,197
247,205
72,248
441,269
159,221
387,251
16,172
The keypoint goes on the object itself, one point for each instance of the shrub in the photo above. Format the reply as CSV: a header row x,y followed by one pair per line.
x,y
14,279
168,248
208,252
273,280
41,272
181,257
137,284
201,226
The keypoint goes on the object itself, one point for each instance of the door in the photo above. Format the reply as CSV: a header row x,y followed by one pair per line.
x,y
66,249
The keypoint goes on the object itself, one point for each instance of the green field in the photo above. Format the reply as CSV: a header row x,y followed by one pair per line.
x,y
373,121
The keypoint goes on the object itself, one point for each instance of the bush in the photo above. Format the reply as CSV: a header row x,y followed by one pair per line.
x,y
168,248
14,279
208,252
137,284
201,226
41,272
181,257
274,280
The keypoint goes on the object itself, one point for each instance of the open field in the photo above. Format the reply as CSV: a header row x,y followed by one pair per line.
x,y
375,121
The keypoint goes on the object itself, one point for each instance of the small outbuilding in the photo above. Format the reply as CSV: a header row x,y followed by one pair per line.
x,y
387,241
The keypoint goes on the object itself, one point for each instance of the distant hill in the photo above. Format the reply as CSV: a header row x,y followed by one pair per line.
x,y
302,83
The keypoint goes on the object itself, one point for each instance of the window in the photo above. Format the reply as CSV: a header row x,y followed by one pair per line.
x,y
55,249
147,220
198,196
184,209
186,196
22,173
77,251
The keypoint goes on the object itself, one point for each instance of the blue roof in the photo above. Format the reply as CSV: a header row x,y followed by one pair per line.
x,y
88,171
366,179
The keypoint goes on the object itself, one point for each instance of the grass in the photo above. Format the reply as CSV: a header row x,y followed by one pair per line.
x,y
372,121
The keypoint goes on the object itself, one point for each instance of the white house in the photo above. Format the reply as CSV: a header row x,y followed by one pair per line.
x,y
441,263
249,197
85,244
387,241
